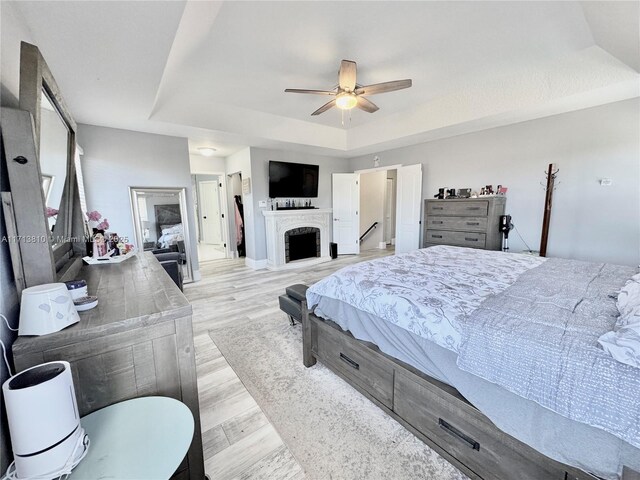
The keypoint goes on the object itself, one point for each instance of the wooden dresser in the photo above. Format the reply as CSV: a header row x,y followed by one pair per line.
x,y
465,222
137,342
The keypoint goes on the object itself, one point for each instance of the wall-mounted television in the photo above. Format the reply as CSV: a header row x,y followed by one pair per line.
x,y
295,180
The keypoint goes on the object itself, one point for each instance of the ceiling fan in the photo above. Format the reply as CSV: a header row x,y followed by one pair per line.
x,y
349,94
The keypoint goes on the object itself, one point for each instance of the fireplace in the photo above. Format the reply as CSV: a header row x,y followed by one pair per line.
x,y
301,243
297,238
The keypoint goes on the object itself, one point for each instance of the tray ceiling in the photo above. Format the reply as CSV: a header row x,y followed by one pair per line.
x,y
216,71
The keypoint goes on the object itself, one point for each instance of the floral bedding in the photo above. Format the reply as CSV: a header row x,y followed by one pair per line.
x,y
427,292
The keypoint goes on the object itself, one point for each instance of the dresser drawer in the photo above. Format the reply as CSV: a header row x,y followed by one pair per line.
x,y
467,435
461,224
472,208
461,239
364,369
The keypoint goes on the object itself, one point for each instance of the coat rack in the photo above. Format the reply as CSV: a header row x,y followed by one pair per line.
x,y
551,174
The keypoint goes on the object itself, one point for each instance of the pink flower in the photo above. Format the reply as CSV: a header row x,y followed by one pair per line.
x,y
94,216
51,212
103,225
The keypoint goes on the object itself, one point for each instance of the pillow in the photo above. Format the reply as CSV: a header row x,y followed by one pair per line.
x,y
623,344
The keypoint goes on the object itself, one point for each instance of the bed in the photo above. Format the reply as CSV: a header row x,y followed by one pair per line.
x,y
462,347
170,235
168,223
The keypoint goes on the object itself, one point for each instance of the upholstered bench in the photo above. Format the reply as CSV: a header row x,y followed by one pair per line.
x,y
291,302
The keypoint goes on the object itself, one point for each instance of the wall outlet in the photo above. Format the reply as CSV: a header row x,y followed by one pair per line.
x,y
262,204
606,182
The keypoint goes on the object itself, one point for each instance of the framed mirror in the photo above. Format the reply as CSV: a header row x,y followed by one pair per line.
x,y
54,166
161,225
39,142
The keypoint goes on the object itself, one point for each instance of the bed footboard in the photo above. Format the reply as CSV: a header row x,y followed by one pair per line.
x,y
433,411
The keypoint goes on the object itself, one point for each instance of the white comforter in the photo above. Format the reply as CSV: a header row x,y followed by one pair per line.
x,y
428,291
171,235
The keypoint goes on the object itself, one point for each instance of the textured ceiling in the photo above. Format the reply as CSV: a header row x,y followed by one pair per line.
x,y
216,71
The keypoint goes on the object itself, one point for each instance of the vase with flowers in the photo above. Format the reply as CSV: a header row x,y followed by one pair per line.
x,y
99,226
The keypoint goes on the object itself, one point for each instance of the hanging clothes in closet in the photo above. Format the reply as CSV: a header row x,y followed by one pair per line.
x,y
239,215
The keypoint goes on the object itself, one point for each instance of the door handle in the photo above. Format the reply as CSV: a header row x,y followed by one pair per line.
x,y
336,219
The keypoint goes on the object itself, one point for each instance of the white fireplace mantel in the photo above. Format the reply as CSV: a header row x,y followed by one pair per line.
x,y
280,221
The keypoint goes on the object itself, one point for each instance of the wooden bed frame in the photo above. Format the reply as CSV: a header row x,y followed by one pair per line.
x,y
434,412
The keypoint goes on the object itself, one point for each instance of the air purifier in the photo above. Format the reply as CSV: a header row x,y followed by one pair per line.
x,y
44,423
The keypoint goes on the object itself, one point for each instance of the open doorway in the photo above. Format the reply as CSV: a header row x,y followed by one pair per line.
x,y
210,204
377,209
373,207
236,216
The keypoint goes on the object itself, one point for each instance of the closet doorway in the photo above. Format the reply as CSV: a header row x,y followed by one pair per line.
x,y
237,237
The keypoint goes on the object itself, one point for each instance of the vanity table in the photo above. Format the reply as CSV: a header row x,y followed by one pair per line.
x,y
137,342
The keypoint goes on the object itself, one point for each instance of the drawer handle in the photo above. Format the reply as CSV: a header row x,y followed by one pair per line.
x,y
470,239
458,434
473,208
473,223
437,208
347,360
436,236
437,221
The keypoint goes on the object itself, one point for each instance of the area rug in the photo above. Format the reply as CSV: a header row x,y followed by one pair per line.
x,y
333,431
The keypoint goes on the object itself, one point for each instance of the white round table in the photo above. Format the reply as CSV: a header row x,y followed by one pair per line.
x,y
142,438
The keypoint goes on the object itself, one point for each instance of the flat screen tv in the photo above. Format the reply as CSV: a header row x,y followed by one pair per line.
x,y
293,180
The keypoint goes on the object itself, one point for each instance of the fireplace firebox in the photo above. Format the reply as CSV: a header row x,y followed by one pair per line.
x,y
301,243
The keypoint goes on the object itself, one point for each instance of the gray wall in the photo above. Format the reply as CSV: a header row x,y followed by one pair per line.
x,y
588,222
115,160
260,185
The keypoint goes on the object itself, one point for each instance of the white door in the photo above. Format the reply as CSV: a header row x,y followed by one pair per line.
x,y
346,205
408,199
210,215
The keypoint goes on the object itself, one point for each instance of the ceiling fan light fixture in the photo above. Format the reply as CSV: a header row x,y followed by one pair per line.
x,y
346,101
207,151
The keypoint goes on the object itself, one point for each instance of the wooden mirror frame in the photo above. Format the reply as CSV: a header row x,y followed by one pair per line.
x,y
35,259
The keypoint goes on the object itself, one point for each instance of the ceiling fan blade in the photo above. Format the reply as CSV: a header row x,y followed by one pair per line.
x,y
347,75
383,87
313,92
366,105
325,107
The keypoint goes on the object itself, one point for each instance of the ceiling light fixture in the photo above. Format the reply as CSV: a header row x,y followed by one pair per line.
x,y
346,101
207,151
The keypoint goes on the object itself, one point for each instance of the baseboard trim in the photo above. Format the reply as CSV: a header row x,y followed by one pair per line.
x,y
255,264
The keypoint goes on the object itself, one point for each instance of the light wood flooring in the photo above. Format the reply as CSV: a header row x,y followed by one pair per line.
x,y
239,442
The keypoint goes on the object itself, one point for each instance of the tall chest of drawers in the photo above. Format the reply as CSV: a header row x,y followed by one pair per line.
x,y
465,222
